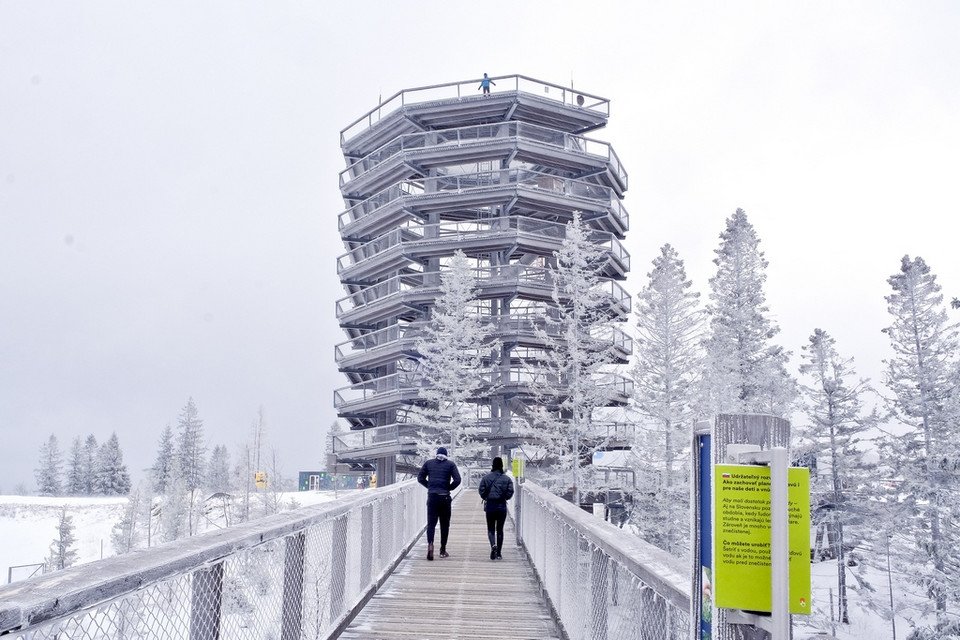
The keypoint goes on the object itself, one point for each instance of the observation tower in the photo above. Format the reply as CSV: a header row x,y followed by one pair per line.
x,y
435,169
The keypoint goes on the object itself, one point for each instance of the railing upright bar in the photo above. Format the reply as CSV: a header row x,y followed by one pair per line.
x,y
292,603
206,601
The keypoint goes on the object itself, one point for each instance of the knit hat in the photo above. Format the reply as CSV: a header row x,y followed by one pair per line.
x,y
441,451
498,464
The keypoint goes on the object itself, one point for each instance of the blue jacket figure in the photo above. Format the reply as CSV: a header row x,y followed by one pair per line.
x,y
496,488
485,84
440,476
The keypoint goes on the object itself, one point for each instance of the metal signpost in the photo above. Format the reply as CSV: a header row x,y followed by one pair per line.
x,y
751,530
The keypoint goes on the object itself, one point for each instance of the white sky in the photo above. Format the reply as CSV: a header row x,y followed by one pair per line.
x,y
168,181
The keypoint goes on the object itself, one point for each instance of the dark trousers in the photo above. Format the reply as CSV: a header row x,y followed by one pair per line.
x,y
438,508
495,520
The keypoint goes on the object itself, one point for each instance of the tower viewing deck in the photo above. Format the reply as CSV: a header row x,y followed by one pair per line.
x,y
498,176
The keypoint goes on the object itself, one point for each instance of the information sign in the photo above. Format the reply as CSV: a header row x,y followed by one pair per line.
x,y
741,560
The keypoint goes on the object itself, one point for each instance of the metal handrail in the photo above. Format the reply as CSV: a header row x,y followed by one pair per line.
x,y
476,229
304,587
512,273
475,134
651,596
605,197
459,90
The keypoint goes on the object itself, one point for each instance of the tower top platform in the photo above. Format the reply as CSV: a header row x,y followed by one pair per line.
x,y
460,104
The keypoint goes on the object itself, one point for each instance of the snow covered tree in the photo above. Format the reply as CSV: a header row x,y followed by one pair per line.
x,y
574,375
923,377
62,551
191,449
75,481
837,422
454,362
49,472
744,372
270,497
113,478
669,325
125,535
175,506
243,482
160,472
218,471
89,465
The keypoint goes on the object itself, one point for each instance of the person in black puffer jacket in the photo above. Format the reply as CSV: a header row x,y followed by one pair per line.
x,y
496,488
440,476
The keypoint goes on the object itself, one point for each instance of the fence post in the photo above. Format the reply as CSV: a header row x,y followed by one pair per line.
x,y
366,543
292,605
338,566
206,598
768,432
517,514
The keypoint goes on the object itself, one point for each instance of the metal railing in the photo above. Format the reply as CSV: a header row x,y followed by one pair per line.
x,y
601,582
305,574
458,90
474,229
592,196
300,574
534,277
444,139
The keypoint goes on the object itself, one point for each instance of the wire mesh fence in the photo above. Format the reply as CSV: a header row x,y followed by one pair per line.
x,y
290,576
602,583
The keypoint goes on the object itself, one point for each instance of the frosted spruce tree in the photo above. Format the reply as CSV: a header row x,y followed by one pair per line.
x,y
455,363
191,457
160,471
669,327
191,449
48,473
218,470
125,535
113,478
62,551
174,508
836,421
925,455
89,465
575,373
75,481
745,372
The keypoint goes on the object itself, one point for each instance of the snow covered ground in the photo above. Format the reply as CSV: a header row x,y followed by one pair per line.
x,y
28,526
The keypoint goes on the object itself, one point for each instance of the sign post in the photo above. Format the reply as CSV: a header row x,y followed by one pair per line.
x,y
732,434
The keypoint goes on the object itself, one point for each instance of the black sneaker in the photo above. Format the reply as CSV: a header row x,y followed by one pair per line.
x,y
499,557
443,553
430,552
493,553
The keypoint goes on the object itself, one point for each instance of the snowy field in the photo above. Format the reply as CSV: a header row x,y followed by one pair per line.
x,y
28,526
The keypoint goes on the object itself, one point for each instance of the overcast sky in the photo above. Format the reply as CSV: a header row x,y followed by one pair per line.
x,y
169,194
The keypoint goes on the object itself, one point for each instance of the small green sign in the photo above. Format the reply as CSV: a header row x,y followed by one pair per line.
x,y
742,573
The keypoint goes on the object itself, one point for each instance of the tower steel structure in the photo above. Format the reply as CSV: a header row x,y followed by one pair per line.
x,y
435,169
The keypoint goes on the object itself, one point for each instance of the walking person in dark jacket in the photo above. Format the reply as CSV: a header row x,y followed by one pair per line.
x,y
496,488
440,476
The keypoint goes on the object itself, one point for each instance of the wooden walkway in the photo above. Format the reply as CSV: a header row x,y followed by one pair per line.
x,y
466,596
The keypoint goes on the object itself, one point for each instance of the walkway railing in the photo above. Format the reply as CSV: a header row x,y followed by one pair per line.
x,y
305,573
294,575
602,583
456,90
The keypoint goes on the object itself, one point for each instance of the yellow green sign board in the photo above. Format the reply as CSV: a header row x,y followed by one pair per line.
x,y
741,560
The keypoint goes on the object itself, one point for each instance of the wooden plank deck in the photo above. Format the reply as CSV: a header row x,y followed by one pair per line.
x,y
466,596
